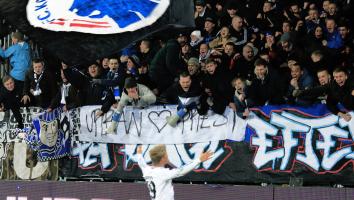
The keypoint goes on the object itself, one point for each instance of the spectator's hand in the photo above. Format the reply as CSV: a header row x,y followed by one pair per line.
x,y
286,15
277,33
97,81
352,92
123,59
209,6
115,105
297,93
21,135
299,24
196,14
64,66
65,108
324,43
49,109
215,52
139,149
218,60
323,15
242,97
99,113
237,56
209,101
291,63
294,83
306,4
246,113
206,156
2,107
25,99
155,91
345,116
232,106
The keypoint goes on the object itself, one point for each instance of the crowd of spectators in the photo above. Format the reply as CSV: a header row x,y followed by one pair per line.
x,y
240,54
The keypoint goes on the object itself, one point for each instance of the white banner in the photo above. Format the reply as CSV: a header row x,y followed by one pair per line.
x,y
149,126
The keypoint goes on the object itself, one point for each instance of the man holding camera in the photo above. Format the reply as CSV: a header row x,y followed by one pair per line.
x,y
39,87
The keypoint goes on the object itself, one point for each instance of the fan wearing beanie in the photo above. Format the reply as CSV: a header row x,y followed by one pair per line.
x,y
132,66
134,94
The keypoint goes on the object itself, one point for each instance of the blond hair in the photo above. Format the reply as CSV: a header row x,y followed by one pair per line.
x,y
6,78
157,153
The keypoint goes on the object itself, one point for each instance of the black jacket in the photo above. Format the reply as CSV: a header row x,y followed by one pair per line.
x,y
72,100
337,94
221,90
47,85
175,91
243,68
12,101
90,93
265,91
166,65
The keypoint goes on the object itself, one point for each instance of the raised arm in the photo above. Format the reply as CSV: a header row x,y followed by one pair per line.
x,y
181,171
147,95
8,52
141,162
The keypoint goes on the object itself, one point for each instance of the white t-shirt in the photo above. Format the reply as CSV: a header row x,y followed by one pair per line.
x,y
159,179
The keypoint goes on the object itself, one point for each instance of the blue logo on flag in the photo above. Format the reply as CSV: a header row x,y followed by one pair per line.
x,y
95,16
123,12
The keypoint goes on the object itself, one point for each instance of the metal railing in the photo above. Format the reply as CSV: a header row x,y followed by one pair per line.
x,y
6,42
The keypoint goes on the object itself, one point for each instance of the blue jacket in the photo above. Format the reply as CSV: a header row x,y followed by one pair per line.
x,y
305,82
334,40
20,59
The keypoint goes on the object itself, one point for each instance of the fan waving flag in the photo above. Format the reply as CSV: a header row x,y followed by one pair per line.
x,y
81,31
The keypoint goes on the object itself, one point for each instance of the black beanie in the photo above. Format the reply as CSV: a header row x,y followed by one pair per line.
x,y
130,83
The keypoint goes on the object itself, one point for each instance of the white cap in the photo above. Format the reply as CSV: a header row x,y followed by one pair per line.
x,y
196,33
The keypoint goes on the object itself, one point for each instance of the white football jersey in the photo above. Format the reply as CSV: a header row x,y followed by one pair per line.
x,y
159,179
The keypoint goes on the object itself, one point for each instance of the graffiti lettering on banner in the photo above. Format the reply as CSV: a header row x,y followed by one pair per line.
x,y
117,159
95,156
181,154
322,144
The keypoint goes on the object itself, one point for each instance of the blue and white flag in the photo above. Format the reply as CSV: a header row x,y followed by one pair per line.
x,y
95,16
82,31
47,137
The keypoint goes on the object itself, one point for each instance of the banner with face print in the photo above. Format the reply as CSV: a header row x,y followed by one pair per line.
x,y
47,137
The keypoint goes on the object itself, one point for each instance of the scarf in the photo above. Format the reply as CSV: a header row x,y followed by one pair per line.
x,y
64,92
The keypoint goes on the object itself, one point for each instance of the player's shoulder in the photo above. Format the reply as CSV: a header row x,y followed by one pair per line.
x,y
160,170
